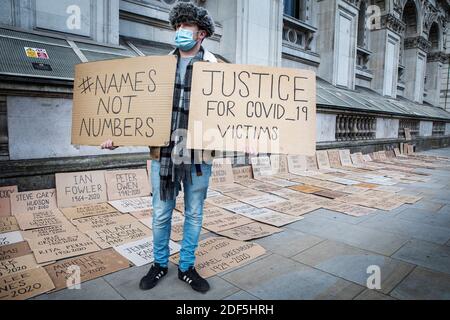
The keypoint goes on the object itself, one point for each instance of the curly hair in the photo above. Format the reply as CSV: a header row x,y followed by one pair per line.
x,y
186,12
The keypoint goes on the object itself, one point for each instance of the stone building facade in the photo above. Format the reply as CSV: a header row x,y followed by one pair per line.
x,y
382,66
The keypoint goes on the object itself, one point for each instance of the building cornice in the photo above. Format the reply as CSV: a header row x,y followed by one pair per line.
x,y
418,42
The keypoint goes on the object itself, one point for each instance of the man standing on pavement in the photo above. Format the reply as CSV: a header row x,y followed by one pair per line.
x,y
174,165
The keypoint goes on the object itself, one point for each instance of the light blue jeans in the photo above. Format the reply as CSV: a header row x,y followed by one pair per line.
x,y
194,198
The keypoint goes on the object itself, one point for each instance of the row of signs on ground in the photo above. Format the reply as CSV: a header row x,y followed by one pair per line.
x,y
244,203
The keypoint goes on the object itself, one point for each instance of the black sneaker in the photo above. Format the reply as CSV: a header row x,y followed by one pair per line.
x,y
191,277
150,280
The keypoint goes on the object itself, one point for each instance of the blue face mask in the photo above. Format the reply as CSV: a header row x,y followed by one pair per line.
x,y
184,39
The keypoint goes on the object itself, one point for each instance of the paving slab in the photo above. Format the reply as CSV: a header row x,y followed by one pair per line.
x,y
423,284
381,242
440,218
410,229
126,282
426,254
352,264
277,277
241,295
370,294
341,217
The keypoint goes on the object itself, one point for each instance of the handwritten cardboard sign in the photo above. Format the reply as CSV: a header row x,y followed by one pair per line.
x,y
323,161
91,266
279,163
101,221
78,188
33,201
5,203
141,252
134,204
14,250
294,207
218,254
263,200
296,163
261,166
242,173
250,231
40,219
333,157
87,210
344,155
25,285
311,163
216,219
124,184
234,107
127,100
10,237
15,265
8,224
119,234
222,172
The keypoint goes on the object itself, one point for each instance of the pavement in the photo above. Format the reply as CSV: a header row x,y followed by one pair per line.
x,y
327,255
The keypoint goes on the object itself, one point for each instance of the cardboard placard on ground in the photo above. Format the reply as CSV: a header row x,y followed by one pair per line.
x,y
8,224
5,203
33,201
119,234
102,221
222,172
306,188
350,209
295,207
265,113
344,156
91,266
10,237
311,163
14,250
40,219
250,231
259,185
127,100
141,252
87,210
220,201
296,163
242,173
323,161
217,254
261,166
330,194
134,204
333,157
216,219
124,184
279,182
263,200
25,285
279,163
244,193
78,188
9,267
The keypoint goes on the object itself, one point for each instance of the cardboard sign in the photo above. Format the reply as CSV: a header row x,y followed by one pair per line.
x,y
9,267
220,201
40,219
250,231
296,163
127,100
124,184
278,182
330,194
350,209
225,188
263,200
87,210
279,163
306,188
217,219
311,163
91,266
322,159
259,185
237,107
130,205
344,155
294,207
407,133
58,242
141,252
102,221
261,166
25,285
33,201
10,238
119,234
14,250
5,203
218,254
77,188
333,157
242,173
222,172
8,224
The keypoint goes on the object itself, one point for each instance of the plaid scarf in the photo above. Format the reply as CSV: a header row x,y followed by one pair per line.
x,y
171,174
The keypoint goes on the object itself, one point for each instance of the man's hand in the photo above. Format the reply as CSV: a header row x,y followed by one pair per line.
x,y
108,144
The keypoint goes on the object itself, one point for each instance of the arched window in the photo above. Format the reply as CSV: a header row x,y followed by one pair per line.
x,y
433,37
362,35
410,19
298,9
